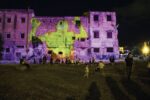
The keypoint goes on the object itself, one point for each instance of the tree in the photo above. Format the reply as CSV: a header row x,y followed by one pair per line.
x,y
36,41
136,50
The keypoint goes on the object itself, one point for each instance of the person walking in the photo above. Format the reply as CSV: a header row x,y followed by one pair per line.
x,y
129,65
100,67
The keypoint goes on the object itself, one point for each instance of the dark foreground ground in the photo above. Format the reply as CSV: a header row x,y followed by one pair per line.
x,y
66,82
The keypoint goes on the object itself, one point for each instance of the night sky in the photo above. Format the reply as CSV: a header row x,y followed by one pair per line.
x,y
133,16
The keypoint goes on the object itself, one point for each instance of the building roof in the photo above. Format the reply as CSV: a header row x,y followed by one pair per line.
x,y
17,10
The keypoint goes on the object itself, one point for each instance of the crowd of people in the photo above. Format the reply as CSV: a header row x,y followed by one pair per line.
x,y
99,66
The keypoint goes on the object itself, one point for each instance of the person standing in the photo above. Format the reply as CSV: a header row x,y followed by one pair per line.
x,y
148,64
112,60
100,66
93,60
86,71
129,65
51,60
44,59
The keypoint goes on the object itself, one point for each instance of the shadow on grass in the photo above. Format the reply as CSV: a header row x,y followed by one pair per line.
x,y
120,69
134,89
145,81
70,98
115,89
143,73
4,90
94,93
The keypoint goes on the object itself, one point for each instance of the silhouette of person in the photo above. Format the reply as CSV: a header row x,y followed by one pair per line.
x,y
129,65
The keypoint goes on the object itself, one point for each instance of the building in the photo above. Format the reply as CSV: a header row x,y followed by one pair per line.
x,y
14,27
75,37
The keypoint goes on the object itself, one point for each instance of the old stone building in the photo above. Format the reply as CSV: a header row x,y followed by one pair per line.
x,y
14,27
75,37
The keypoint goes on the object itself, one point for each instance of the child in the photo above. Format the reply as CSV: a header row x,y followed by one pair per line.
x,y
100,67
86,71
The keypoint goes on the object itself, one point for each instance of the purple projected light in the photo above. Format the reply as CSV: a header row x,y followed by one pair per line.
x,y
83,37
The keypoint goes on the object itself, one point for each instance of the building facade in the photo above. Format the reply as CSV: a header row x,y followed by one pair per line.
x,y
74,37
14,27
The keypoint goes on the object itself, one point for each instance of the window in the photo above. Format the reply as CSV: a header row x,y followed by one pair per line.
x,y
78,23
109,18
82,39
22,35
18,54
96,49
0,20
8,20
96,34
20,46
109,34
8,36
96,17
49,51
7,49
110,49
73,38
89,51
61,23
23,20
60,53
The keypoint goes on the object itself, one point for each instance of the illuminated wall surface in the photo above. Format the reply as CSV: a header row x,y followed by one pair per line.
x,y
82,37
60,35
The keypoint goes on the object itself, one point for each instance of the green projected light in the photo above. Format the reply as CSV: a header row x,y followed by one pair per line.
x,y
61,40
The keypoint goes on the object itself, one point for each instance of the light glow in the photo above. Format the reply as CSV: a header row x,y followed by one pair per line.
x,y
145,49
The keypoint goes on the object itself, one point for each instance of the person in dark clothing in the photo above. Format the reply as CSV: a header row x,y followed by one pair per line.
x,y
25,63
57,61
93,60
40,60
148,64
129,65
51,60
21,60
44,59
34,61
67,61
112,60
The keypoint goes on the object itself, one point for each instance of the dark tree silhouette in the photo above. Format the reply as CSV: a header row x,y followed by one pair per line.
x,y
36,41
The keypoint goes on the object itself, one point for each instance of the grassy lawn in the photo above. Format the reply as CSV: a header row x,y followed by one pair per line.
x,y
66,82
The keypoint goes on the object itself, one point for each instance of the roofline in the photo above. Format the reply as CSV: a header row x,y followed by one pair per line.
x,y
18,10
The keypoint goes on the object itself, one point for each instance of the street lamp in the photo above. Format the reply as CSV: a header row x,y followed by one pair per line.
x,y
145,49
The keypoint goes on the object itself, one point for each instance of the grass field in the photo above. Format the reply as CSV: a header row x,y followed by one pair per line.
x,y
66,82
